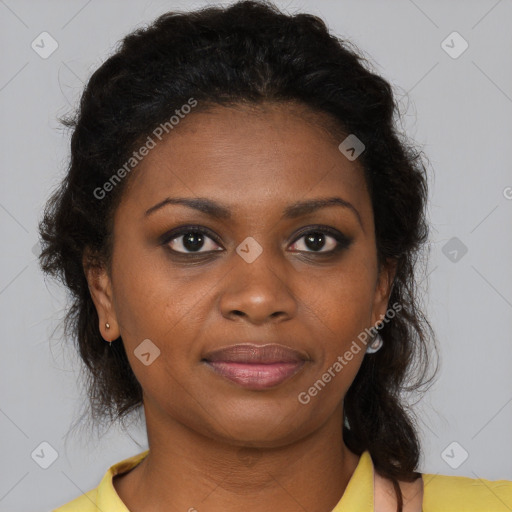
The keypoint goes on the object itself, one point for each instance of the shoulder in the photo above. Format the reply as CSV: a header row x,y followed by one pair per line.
x,y
451,493
439,493
104,498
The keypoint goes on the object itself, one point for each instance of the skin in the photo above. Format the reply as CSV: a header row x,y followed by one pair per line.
x,y
214,445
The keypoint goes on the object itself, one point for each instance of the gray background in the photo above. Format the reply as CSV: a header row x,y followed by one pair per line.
x,y
459,109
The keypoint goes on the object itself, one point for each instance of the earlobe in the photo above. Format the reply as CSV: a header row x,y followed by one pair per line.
x,y
100,288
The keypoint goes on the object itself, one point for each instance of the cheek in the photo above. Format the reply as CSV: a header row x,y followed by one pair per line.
x,y
153,305
342,301
164,306
147,294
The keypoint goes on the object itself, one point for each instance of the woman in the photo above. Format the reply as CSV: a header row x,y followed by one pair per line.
x,y
239,227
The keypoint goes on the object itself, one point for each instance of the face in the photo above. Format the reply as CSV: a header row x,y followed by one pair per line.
x,y
194,280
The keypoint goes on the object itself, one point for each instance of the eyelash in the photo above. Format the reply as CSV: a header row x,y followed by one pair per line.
x,y
343,241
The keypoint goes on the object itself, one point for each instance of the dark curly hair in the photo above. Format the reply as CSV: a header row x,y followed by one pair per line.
x,y
248,53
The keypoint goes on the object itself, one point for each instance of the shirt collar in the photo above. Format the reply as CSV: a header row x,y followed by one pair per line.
x,y
359,492
107,499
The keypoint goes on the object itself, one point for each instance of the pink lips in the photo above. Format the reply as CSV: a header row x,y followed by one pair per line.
x,y
256,366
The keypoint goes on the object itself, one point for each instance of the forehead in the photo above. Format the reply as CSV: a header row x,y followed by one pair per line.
x,y
249,156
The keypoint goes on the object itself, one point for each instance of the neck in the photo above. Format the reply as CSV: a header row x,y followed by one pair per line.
x,y
186,470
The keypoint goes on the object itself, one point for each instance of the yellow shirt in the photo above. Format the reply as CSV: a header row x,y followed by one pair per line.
x,y
441,493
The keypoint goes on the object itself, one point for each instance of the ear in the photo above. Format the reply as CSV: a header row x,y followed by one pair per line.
x,y
383,290
100,288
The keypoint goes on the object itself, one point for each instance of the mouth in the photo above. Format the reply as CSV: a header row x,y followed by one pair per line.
x,y
256,367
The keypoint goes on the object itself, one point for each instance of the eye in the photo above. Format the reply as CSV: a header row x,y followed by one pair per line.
x,y
191,240
199,240
321,240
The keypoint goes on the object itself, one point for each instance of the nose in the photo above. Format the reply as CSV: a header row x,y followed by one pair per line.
x,y
258,293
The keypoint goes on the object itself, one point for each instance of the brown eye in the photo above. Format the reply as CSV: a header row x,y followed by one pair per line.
x,y
322,240
190,241
316,241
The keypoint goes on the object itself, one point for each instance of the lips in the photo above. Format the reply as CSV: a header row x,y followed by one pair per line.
x,y
251,353
256,367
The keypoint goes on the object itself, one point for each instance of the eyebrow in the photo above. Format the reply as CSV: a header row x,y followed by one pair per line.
x,y
219,211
